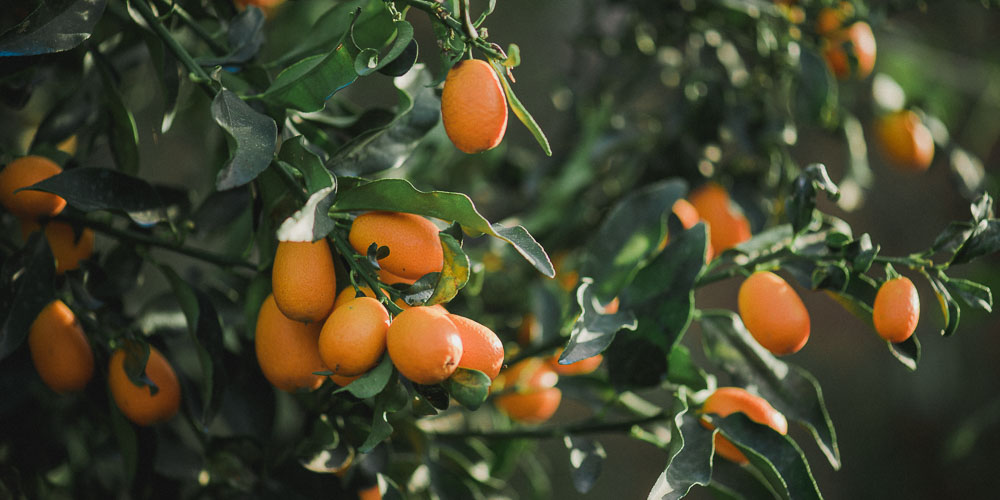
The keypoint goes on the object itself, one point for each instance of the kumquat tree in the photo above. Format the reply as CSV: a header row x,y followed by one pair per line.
x,y
322,249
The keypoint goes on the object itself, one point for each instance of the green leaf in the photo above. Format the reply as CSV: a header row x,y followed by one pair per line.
x,y
392,399
34,290
790,389
371,383
469,387
691,449
311,222
46,32
593,331
520,111
388,146
802,201
682,370
454,274
256,137
245,36
136,357
435,395
401,63
89,189
586,458
630,233
309,83
950,311
974,294
206,335
952,237
777,457
816,93
982,207
861,253
398,195
296,154
985,240
906,352
402,43
123,135
323,451
635,361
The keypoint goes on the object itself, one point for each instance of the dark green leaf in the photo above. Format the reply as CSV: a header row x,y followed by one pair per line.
x,y
35,290
691,449
469,387
168,73
404,47
255,135
586,458
777,457
974,294
136,357
520,111
398,195
952,238
371,383
436,395
593,331
831,277
123,135
388,146
65,30
366,62
816,93
454,274
789,388
421,290
206,335
634,361
862,253
402,63
311,222
392,399
950,310
802,201
309,83
982,207
295,153
907,352
630,233
985,240
89,189
374,26
682,370
245,36
323,451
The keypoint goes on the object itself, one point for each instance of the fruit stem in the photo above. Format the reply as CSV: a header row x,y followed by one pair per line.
x,y
123,234
443,17
580,428
348,253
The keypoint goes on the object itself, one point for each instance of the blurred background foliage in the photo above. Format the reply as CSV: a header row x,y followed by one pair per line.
x,y
630,92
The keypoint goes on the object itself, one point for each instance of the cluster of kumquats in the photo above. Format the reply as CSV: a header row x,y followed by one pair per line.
x,y
60,350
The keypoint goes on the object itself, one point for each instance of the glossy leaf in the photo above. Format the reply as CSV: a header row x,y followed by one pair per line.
x,y
123,135
311,222
401,64
310,82
454,274
58,33
691,449
950,310
398,195
586,458
388,146
776,457
629,234
985,240
34,290
802,201
790,389
255,135
206,336
371,383
323,451
593,331
89,189
296,154
400,44
392,399
520,111
682,370
469,387
974,294
952,237
245,36
906,352
435,395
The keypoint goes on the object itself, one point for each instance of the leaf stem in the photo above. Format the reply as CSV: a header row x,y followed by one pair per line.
x,y
201,77
124,234
581,428
198,30
444,17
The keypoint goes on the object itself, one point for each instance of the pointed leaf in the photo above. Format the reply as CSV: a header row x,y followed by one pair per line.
x,y
520,111
469,387
454,274
61,32
586,458
35,290
985,240
255,135
593,331
311,222
392,399
398,195
89,189
371,383
790,389
295,153
974,294
949,307
691,449
310,82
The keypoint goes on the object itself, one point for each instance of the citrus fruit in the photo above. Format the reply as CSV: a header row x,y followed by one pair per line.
x,y
481,348
370,493
688,215
414,246
896,310
353,338
831,19
727,226
287,350
582,367
139,404
905,140
727,400
24,172
342,380
773,313
349,293
68,145
304,281
68,248
391,279
59,349
473,106
851,51
424,344
527,391
529,332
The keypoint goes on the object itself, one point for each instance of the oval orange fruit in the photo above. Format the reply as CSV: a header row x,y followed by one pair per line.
x,y
139,404
481,348
24,172
727,400
528,391
896,310
773,313
67,247
727,227
851,51
304,280
582,367
905,140
287,350
473,106
414,246
353,338
59,349
424,344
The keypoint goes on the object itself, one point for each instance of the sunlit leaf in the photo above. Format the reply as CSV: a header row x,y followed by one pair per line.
x,y
454,274
311,222
950,311
985,240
